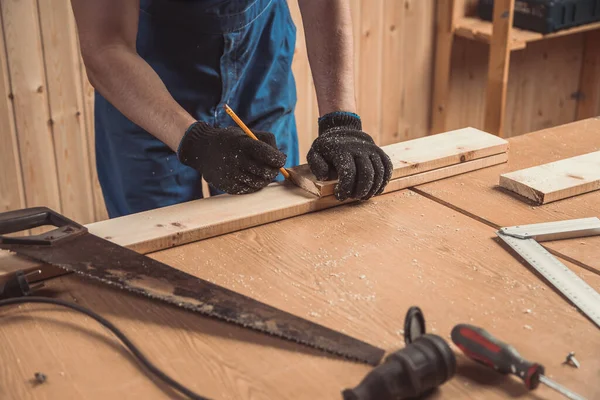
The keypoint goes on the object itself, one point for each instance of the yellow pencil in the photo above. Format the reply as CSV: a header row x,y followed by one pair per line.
x,y
248,132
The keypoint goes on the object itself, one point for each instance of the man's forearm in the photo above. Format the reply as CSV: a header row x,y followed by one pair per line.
x,y
132,86
328,32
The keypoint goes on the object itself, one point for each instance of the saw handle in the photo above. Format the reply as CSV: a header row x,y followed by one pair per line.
x,y
34,217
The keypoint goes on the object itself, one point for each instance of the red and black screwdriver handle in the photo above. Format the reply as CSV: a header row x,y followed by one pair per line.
x,y
482,347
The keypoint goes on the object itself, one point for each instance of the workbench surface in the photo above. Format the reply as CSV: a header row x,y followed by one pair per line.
x,y
356,268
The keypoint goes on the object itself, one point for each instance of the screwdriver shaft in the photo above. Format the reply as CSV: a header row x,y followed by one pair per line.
x,y
560,388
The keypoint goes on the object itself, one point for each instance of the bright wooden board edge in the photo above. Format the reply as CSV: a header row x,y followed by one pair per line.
x,y
515,182
432,152
179,224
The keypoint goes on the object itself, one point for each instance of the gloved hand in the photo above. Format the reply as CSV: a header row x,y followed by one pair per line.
x,y
229,160
343,149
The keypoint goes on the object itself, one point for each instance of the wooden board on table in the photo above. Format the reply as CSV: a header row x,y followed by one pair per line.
x,y
355,269
479,195
419,155
196,220
557,180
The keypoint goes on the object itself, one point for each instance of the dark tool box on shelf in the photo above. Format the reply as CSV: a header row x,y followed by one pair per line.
x,y
547,16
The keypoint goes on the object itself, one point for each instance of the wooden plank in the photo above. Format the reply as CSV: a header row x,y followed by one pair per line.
x,y
66,110
183,223
11,181
419,155
557,180
351,285
466,101
476,29
588,104
304,86
175,225
27,78
100,212
499,62
371,67
392,101
417,64
500,208
543,68
445,18
356,35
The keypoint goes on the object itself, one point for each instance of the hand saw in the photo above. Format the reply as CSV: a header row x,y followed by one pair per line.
x,y
74,249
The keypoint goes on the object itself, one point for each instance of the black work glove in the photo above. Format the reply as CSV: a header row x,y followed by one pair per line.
x,y
229,160
344,150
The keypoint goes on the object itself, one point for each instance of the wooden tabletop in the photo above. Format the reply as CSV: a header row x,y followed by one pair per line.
x,y
355,268
479,195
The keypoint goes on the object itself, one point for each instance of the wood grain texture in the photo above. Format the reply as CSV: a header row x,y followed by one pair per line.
x,y
557,180
444,33
11,181
543,86
588,104
416,68
392,74
197,220
380,259
497,207
100,212
304,86
543,67
61,61
418,155
476,29
28,83
371,67
499,62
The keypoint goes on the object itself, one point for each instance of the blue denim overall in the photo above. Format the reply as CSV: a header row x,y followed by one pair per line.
x,y
207,52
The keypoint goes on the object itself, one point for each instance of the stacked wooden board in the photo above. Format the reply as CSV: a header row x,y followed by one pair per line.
x,y
415,162
557,180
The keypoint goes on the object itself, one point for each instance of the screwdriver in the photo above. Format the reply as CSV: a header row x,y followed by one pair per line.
x,y
482,347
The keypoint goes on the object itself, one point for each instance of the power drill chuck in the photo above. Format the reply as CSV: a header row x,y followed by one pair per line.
x,y
418,368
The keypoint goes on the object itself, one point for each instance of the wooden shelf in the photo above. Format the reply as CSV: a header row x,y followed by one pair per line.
x,y
480,30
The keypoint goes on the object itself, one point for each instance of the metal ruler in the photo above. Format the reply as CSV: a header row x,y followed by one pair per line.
x,y
524,240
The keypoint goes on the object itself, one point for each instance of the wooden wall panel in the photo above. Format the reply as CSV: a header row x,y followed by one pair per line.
x,y
63,73
543,83
542,86
28,82
589,84
371,66
11,181
416,67
304,87
51,129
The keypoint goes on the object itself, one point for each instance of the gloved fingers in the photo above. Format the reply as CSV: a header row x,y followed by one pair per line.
x,y
346,170
253,181
263,171
388,168
379,172
318,165
365,176
264,153
266,137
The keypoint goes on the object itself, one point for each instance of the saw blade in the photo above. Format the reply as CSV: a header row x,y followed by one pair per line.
x,y
94,257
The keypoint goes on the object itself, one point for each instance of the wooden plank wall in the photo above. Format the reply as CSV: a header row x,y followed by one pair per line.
x,y
46,102
393,42
547,85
